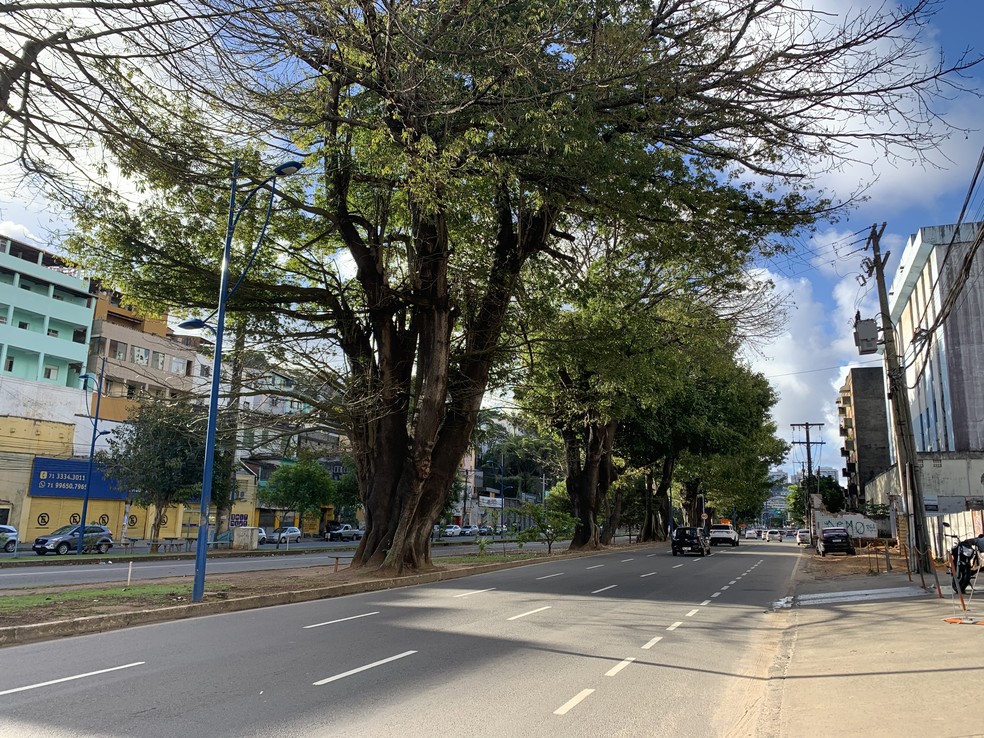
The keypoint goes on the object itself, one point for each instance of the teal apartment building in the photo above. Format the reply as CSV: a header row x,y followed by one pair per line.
x,y
45,316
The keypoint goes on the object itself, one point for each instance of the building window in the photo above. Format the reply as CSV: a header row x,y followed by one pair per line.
x,y
9,366
141,356
117,350
204,370
50,372
24,325
177,366
131,392
157,360
53,333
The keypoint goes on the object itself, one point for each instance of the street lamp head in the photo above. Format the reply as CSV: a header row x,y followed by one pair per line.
x,y
288,168
192,324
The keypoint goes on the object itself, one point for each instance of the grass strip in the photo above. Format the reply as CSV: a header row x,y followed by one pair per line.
x,y
163,593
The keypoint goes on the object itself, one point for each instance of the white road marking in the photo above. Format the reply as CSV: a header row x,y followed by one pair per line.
x,y
548,576
573,702
705,602
678,566
692,612
477,591
70,678
641,576
373,665
734,581
653,642
649,556
342,620
625,560
619,666
675,625
726,586
531,612
716,594
610,586
596,566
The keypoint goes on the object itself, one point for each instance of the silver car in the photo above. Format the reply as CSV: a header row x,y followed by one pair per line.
x,y
8,538
96,538
287,534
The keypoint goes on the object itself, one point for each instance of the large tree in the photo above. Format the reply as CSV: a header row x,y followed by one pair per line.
x,y
453,144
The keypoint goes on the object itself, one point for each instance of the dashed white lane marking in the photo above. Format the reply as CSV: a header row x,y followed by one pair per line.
x,y
70,678
596,566
649,556
625,560
692,612
678,566
573,702
342,620
652,643
548,576
610,586
675,625
646,575
726,586
716,594
373,665
475,592
619,666
705,602
733,581
531,612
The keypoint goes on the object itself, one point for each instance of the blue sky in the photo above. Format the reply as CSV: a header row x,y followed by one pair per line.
x,y
807,364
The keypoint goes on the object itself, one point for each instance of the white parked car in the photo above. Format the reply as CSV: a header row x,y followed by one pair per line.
x,y
469,530
452,530
751,533
774,535
803,536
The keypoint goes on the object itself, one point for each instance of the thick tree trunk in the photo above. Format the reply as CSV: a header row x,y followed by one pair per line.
x,y
584,481
663,497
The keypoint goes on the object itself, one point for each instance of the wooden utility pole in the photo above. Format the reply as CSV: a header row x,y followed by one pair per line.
x,y
809,469
905,440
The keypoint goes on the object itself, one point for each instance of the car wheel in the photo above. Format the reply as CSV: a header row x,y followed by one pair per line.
x,y
10,546
823,552
734,544
62,548
42,552
102,548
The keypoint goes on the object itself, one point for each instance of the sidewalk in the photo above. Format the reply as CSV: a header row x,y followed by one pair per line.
x,y
873,656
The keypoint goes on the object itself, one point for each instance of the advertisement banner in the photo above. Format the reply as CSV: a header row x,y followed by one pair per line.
x,y
66,478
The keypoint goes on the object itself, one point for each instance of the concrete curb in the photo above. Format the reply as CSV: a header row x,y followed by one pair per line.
x,y
21,634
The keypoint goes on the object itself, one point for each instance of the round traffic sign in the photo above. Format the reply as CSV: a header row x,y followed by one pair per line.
x,y
703,516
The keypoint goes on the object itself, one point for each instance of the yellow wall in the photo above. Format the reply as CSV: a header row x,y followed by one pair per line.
x,y
36,437
46,514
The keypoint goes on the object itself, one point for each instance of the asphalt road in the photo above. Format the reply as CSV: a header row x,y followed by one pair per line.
x,y
92,569
625,643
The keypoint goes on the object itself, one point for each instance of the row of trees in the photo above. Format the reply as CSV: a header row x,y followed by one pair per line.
x,y
560,196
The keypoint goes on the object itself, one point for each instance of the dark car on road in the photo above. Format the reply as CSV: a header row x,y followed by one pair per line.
x,y
833,540
689,540
96,538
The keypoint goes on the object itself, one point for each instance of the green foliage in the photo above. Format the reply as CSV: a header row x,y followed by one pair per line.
x,y
547,525
304,486
158,456
875,510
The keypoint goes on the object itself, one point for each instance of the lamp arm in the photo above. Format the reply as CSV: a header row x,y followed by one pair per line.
x,y
259,241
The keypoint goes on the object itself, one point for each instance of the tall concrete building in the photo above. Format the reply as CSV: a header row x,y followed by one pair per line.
x,y
937,302
45,316
863,419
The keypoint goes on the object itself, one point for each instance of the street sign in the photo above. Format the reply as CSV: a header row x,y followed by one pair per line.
x,y
703,516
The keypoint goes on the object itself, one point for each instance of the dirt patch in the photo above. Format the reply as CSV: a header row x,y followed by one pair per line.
x,y
869,560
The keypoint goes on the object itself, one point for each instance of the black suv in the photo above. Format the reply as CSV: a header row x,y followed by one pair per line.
x,y
690,540
835,539
97,538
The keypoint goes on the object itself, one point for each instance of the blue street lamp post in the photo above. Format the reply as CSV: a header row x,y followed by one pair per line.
x,y
92,450
198,588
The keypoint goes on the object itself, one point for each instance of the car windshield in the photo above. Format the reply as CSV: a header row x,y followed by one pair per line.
x,y
720,527
65,530
685,533
835,531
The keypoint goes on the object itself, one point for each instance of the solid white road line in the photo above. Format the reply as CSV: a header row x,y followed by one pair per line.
x,y
610,586
531,612
373,665
70,678
705,602
692,612
342,620
596,566
652,643
619,666
475,592
641,576
551,575
675,625
573,702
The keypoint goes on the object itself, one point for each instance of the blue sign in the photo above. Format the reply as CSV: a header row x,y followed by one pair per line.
x,y
66,478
